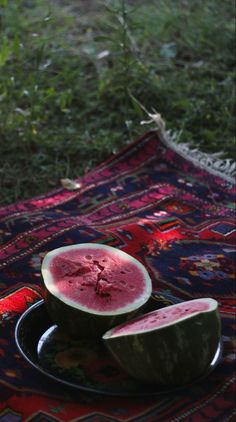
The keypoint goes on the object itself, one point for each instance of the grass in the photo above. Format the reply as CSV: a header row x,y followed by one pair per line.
x,y
68,73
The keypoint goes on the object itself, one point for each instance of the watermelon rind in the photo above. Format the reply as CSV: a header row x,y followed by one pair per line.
x,y
80,320
173,354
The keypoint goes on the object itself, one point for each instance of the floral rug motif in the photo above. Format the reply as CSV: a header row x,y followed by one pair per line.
x,y
174,216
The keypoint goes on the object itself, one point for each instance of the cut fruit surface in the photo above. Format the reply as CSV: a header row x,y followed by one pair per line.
x,y
99,278
163,317
94,279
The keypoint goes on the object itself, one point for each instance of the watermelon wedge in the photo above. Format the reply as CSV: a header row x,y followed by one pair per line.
x,y
92,287
170,346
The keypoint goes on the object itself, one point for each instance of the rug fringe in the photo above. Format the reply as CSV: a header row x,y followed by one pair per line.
x,y
211,162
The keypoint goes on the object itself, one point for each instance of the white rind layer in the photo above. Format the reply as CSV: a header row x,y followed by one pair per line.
x,y
213,305
51,285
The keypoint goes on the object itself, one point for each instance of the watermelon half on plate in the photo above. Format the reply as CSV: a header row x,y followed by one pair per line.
x,y
169,346
92,287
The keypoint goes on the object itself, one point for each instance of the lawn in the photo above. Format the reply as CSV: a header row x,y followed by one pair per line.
x,y
69,73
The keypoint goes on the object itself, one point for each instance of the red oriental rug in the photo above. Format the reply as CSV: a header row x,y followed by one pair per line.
x,y
160,204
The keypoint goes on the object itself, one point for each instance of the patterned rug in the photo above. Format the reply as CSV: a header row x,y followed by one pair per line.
x,y
178,219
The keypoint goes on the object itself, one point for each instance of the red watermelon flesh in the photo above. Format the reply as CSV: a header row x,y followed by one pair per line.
x,y
97,278
162,317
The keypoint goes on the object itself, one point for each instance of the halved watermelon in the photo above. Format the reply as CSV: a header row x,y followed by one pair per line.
x,y
170,346
92,287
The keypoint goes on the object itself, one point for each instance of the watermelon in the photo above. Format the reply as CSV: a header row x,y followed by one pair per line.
x,y
92,287
170,346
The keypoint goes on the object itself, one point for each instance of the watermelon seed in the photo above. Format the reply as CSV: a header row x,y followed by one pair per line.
x,y
88,257
122,272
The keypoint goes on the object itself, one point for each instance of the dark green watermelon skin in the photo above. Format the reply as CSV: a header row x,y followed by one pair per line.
x,y
170,356
78,323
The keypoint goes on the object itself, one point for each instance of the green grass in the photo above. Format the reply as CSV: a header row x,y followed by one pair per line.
x,y
64,109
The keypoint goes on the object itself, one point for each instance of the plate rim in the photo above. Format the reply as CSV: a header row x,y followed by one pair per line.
x,y
159,391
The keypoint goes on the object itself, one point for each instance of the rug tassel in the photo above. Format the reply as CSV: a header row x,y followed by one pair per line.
x,y
222,167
